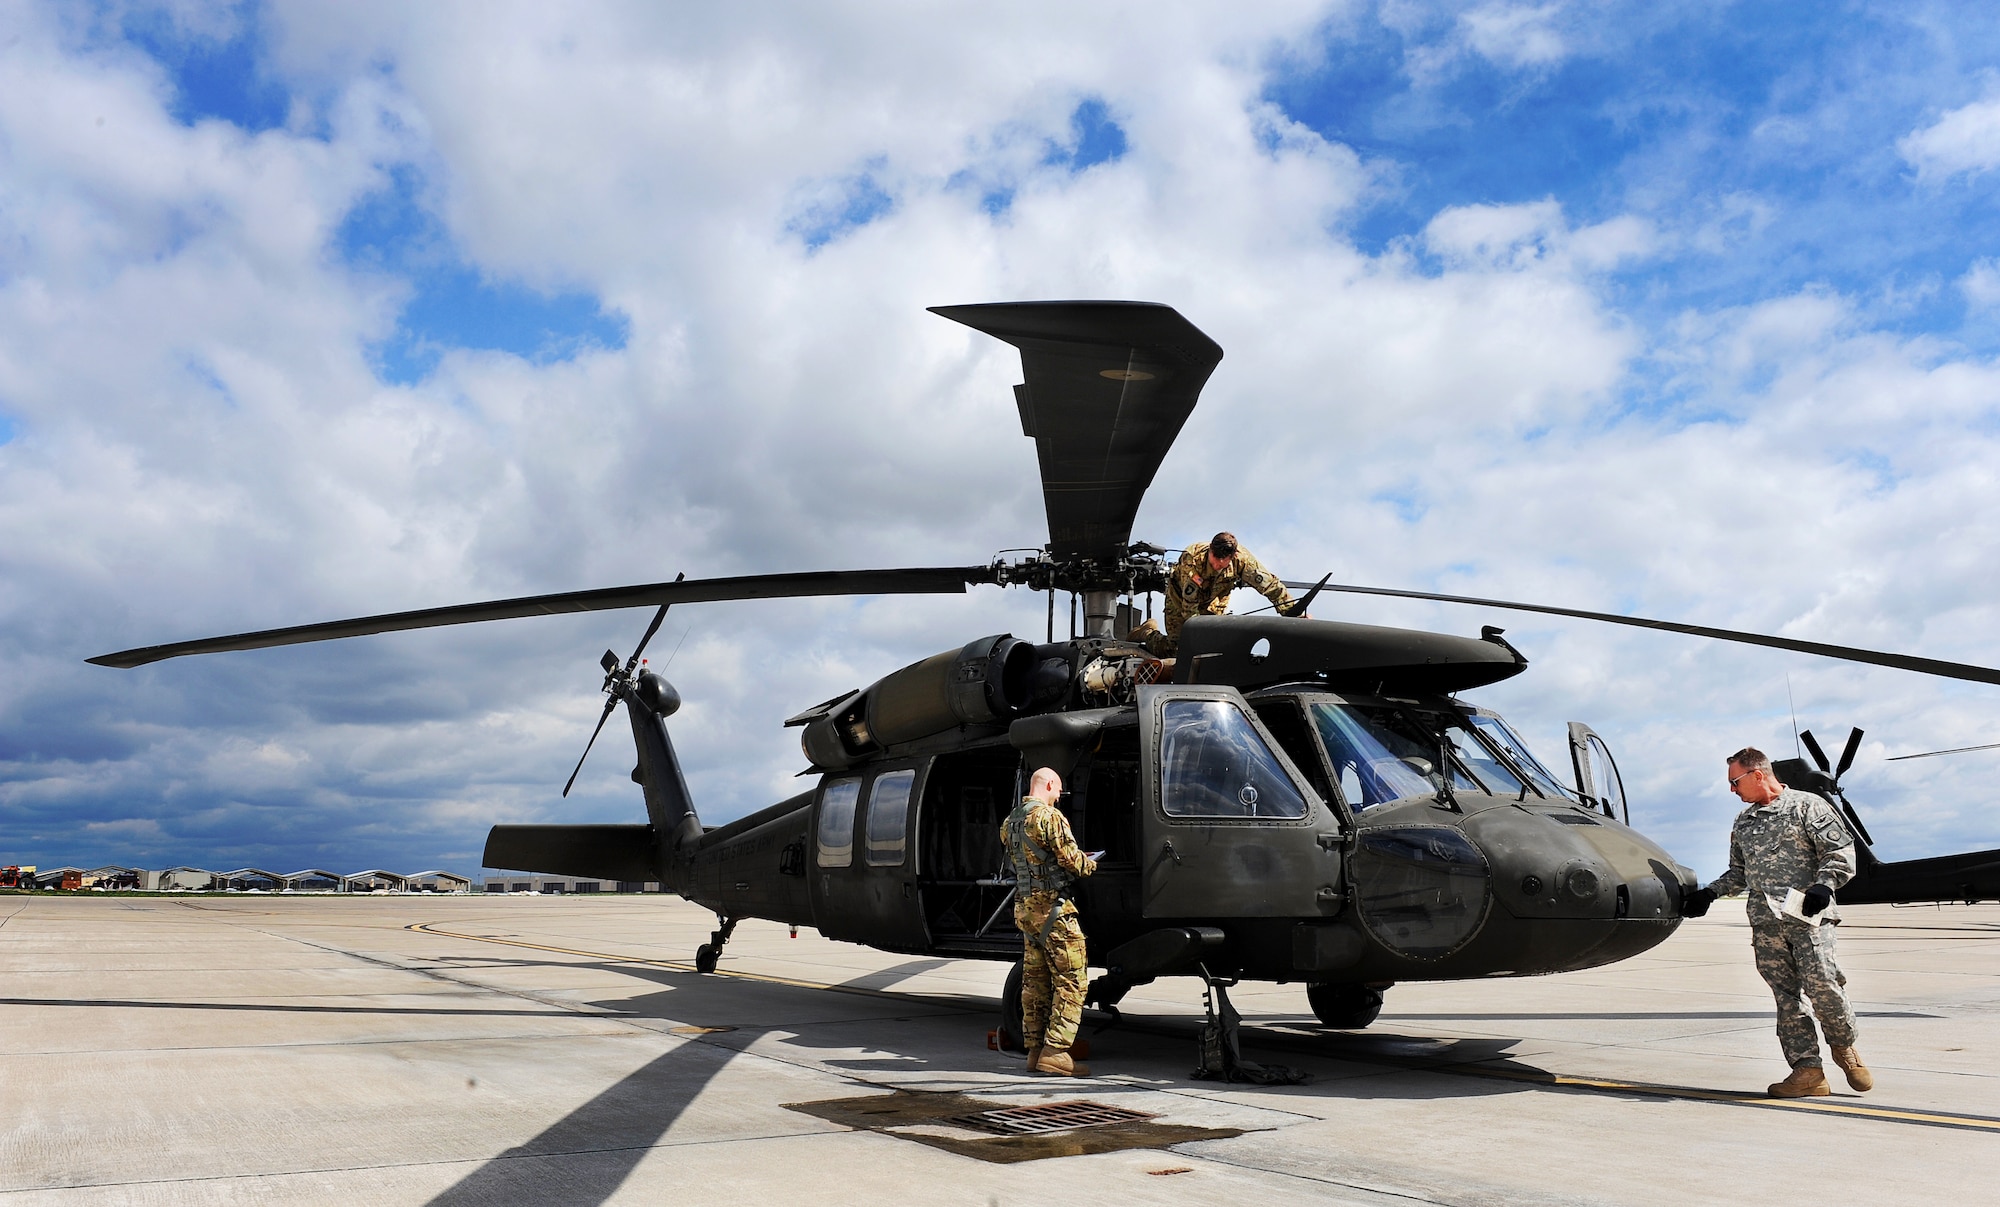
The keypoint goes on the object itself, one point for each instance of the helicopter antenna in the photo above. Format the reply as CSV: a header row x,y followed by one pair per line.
x,y
677,647
1796,753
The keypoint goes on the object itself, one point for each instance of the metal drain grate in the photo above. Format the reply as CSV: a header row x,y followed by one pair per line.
x,y
1048,1117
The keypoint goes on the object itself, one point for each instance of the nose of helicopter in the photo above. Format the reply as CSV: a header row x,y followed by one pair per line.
x,y
1568,863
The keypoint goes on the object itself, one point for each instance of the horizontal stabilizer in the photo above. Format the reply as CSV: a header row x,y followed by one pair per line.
x,y
605,852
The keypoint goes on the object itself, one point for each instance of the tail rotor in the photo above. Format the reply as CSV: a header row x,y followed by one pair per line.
x,y
613,676
1835,770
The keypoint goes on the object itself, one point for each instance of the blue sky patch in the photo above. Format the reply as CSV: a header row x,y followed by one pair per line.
x,y
6,429
846,204
214,78
1094,138
1763,146
454,305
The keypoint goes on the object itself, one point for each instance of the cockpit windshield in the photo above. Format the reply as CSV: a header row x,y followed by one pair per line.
x,y
1374,765
1502,735
1383,753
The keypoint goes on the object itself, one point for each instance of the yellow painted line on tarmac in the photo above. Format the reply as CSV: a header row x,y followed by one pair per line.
x,y
1820,1106
1823,1106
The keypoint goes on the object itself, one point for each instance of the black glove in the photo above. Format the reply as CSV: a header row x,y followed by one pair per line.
x,y
1818,897
1695,904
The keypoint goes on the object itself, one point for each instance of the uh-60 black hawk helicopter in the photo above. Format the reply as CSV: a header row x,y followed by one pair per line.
x,y
1287,799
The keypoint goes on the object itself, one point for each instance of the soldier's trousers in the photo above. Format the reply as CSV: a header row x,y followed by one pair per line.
x,y
1797,959
1054,976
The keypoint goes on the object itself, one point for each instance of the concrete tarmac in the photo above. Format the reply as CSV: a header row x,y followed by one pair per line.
x,y
471,1050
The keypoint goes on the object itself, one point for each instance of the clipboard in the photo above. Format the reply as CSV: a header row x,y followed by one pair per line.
x,y
1791,905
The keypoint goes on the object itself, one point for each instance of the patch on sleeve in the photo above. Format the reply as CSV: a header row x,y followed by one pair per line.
x,y
1830,832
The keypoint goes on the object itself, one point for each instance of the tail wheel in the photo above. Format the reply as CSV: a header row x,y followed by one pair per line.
x,y
1010,1011
1344,1006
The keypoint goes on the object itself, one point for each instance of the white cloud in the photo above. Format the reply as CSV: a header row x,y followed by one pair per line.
x,y
1516,35
1981,283
1967,139
204,448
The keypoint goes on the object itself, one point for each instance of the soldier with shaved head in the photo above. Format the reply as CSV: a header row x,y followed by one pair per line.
x,y
1054,969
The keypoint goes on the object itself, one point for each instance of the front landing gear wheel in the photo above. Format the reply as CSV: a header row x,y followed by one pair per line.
x,y
1010,1011
1344,1006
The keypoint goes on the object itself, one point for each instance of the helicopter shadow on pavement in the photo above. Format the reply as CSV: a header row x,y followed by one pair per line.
x,y
940,1038
584,1157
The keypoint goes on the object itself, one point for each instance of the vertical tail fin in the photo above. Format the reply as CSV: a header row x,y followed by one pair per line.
x,y
649,701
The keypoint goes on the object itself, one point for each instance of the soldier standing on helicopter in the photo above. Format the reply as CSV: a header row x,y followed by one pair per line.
x,y
1054,971
1200,584
1785,840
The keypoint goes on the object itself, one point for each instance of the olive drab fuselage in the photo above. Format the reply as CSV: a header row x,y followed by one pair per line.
x,y
1241,831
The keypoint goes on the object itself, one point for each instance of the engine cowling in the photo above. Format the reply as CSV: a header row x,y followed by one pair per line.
x,y
989,680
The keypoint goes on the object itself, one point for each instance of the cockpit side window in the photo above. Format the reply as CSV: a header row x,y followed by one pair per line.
x,y
1213,763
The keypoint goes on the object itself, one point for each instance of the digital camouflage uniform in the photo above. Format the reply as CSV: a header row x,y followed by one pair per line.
x,y
1194,589
1054,971
1794,842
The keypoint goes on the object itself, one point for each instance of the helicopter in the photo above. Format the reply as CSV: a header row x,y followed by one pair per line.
x,y
1285,799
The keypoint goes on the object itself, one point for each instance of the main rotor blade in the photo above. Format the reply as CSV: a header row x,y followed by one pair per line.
x,y
947,580
1931,754
1848,653
609,704
1847,755
1819,756
1109,385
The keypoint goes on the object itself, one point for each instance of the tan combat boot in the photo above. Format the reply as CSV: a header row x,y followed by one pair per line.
x,y
1034,1056
1806,1081
1858,1076
1059,1064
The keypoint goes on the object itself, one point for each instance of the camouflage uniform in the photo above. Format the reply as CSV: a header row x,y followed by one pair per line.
x,y
1789,843
1054,972
1195,589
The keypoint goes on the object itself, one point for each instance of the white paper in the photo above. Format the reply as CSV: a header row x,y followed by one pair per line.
x,y
1792,905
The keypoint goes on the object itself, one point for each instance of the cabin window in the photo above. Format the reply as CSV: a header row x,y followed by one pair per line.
x,y
888,817
836,822
1214,764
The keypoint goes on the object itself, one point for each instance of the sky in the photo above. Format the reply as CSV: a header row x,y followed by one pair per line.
x,y
1684,310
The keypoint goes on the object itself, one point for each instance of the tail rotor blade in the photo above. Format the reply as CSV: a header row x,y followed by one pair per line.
x,y
1847,755
610,664
653,628
650,630
609,704
1819,756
